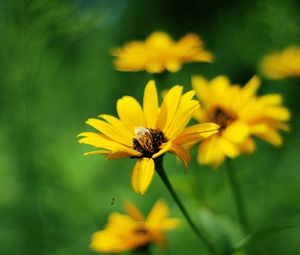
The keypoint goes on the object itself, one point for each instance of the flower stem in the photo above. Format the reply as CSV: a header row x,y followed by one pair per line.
x,y
237,195
161,172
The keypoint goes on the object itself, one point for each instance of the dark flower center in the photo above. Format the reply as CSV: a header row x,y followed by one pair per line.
x,y
222,117
148,141
141,230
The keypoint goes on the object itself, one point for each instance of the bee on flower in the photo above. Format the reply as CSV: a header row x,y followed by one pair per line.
x,y
131,231
240,114
282,64
146,133
159,52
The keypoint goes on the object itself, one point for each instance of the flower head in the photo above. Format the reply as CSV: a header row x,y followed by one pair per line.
x,y
159,52
132,231
240,115
282,64
149,132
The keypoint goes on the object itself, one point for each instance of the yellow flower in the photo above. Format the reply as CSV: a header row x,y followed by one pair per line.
x,y
282,64
159,52
131,231
149,132
240,114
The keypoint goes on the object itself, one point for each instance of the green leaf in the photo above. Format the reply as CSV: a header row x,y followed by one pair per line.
x,y
262,233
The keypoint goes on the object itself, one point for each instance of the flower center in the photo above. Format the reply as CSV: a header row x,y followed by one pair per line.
x,y
148,141
141,230
222,117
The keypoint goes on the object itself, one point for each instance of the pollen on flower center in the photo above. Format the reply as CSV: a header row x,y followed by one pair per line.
x,y
148,141
222,117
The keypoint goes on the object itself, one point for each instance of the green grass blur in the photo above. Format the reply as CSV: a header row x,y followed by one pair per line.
x,y
56,72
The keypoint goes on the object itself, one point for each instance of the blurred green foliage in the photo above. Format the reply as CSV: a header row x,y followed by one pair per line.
x,y
56,72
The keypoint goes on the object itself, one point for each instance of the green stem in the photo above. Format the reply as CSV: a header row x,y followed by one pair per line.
x,y
161,172
237,195
143,250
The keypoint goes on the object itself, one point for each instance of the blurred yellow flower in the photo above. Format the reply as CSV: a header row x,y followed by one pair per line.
x,y
159,53
282,64
149,132
132,231
240,114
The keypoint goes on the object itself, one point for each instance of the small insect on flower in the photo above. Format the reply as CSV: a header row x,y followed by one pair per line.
x,y
132,231
148,133
240,115
159,52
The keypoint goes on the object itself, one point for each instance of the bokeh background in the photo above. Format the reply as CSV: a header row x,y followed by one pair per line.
x,y
56,71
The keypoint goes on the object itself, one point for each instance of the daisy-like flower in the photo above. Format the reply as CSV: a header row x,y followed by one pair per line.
x,y
282,64
159,52
132,231
240,115
149,132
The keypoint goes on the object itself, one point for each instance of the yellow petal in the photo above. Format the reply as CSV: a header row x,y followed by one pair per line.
x,y
118,236
196,132
99,152
210,153
236,132
110,131
142,175
271,136
118,125
150,104
121,154
169,107
200,85
251,87
183,115
130,112
278,113
165,147
182,154
228,148
248,146
101,141
173,66
133,212
159,212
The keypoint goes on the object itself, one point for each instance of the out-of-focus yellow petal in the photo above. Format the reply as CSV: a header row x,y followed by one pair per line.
x,y
150,104
173,66
271,136
159,52
142,175
158,213
130,112
236,132
210,153
248,146
282,64
133,212
251,86
228,148
200,85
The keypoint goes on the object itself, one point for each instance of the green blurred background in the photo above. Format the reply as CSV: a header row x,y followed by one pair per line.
x,y
56,72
